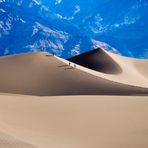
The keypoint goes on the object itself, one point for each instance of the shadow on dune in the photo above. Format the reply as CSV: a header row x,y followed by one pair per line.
x,y
39,75
97,60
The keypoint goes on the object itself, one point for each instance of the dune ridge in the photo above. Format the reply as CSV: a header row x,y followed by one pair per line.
x,y
132,71
97,60
42,74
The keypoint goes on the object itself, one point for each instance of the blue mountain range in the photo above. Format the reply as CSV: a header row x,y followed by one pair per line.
x,y
67,28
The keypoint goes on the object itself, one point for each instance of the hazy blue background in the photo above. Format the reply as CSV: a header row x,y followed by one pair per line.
x,y
70,27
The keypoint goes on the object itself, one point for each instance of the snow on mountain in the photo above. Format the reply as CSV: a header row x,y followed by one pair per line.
x,y
70,28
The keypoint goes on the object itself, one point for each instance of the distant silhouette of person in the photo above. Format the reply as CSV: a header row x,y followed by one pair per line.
x,y
74,65
69,63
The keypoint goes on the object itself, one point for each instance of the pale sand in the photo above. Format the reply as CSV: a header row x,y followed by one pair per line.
x,y
74,122
51,119
41,75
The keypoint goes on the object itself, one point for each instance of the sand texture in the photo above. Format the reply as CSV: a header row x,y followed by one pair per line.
x,y
41,74
74,121
97,100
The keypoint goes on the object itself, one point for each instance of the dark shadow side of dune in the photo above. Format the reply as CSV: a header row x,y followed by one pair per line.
x,y
97,60
40,75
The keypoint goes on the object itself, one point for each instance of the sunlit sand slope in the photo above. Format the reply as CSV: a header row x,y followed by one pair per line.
x,y
45,75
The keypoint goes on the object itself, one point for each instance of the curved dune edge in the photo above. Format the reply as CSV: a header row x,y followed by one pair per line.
x,y
134,71
74,121
42,74
97,60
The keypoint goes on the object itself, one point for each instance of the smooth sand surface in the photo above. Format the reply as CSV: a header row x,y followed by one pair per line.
x,y
73,122
7,141
47,103
41,74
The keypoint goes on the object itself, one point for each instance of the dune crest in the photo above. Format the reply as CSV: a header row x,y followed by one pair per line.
x,y
97,60
42,74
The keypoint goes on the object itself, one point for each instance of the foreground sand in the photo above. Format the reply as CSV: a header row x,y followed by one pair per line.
x,y
73,122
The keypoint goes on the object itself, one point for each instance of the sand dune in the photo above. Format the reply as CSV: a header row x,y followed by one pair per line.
x,y
98,60
117,68
41,74
36,113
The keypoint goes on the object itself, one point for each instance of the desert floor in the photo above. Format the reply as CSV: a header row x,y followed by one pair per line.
x,y
73,121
